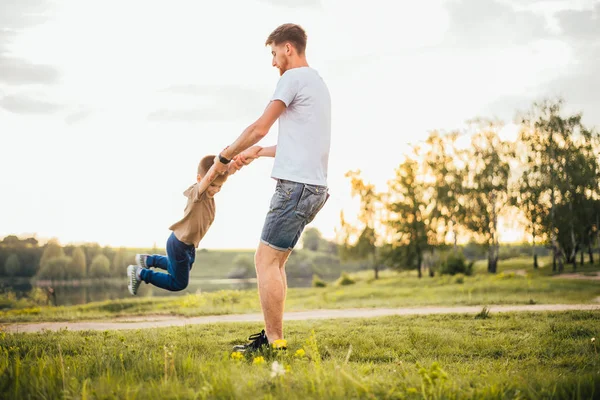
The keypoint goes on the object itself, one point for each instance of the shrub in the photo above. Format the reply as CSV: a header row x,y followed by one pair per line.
x,y
456,263
344,280
318,282
100,267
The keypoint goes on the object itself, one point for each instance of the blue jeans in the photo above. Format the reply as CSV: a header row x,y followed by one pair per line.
x,y
178,263
293,206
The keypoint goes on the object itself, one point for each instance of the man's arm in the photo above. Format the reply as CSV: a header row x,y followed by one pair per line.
x,y
255,132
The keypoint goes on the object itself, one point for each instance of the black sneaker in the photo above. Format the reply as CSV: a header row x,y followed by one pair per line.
x,y
257,341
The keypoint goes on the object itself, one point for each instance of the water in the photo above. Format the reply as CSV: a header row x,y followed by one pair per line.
x,y
87,291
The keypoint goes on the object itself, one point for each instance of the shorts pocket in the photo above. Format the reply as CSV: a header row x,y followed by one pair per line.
x,y
311,201
283,193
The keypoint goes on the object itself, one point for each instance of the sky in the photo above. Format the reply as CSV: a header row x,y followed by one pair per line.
x,y
107,107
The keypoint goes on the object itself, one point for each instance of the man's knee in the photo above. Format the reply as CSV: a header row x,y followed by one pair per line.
x,y
268,257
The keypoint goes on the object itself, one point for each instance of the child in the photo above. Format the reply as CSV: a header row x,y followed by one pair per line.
x,y
186,234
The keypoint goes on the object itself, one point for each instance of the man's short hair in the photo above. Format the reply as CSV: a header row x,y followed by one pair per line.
x,y
288,33
205,165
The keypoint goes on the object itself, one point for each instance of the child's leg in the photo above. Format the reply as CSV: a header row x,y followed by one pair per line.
x,y
180,258
158,261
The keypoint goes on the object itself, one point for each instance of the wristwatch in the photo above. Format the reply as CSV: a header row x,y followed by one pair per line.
x,y
223,160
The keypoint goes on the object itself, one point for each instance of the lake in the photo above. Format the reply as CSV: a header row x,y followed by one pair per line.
x,y
88,290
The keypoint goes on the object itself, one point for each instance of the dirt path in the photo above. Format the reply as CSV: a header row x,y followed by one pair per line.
x,y
578,276
155,321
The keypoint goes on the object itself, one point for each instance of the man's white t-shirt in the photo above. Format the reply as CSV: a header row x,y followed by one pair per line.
x,y
304,127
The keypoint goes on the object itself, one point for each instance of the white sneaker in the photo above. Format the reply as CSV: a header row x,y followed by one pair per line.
x,y
140,259
134,281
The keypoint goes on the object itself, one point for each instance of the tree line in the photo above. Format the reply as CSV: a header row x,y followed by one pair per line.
x,y
26,258
445,189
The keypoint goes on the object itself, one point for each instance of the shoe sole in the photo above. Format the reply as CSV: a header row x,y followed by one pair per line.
x,y
130,274
138,261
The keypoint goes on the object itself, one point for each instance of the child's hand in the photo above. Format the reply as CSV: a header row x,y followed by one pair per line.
x,y
246,156
233,167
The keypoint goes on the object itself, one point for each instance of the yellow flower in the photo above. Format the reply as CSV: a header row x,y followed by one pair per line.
x,y
593,339
258,360
236,355
300,353
280,344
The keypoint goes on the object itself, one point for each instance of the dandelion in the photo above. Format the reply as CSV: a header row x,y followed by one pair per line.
x,y
236,355
593,340
300,353
258,360
277,369
280,344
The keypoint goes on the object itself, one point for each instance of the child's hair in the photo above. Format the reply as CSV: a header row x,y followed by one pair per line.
x,y
205,165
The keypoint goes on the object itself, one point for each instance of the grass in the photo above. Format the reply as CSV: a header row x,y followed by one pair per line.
x,y
391,290
506,356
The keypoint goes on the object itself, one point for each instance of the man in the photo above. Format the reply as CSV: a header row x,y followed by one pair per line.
x,y
302,104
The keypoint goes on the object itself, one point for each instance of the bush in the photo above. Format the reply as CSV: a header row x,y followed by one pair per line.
x,y
456,263
459,278
100,267
318,282
55,268
344,280
244,267
12,265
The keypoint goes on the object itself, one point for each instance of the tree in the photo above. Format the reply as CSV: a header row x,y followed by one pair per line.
x,y
365,247
527,196
100,267
442,162
410,215
56,268
12,265
564,153
52,250
244,267
312,239
78,264
119,261
486,185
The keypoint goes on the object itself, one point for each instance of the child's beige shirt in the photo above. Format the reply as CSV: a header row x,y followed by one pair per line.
x,y
198,215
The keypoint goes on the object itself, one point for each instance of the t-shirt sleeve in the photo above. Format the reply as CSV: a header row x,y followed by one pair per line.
x,y
192,193
286,89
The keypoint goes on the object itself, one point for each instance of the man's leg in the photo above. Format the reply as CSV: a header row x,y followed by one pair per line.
x,y
272,287
283,275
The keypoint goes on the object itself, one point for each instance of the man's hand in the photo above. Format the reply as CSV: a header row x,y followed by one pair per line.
x,y
246,156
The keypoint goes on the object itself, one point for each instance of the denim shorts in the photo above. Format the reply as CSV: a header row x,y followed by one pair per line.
x,y
293,206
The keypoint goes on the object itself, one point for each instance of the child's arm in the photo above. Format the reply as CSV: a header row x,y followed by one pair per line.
x,y
206,180
267,151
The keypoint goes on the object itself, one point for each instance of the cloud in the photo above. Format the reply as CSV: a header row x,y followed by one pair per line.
x,y
21,104
16,71
16,16
78,116
582,25
477,23
210,102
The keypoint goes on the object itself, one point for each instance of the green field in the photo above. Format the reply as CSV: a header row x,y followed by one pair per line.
x,y
506,356
391,290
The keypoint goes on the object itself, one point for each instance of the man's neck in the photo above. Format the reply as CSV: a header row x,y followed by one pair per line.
x,y
298,63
